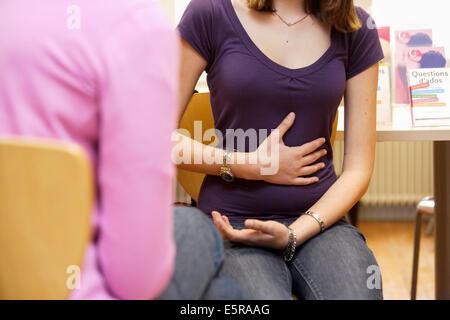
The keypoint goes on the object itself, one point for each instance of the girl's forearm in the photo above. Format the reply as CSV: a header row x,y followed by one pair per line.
x,y
334,204
193,155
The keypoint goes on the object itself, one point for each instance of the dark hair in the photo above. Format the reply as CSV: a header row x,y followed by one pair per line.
x,y
340,14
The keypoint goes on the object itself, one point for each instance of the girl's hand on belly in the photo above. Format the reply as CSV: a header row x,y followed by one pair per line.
x,y
266,234
280,164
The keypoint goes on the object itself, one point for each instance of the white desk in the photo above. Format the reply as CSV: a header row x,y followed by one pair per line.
x,y
401,130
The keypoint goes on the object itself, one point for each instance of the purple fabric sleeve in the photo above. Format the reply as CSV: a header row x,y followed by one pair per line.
x,y
196,27
364,48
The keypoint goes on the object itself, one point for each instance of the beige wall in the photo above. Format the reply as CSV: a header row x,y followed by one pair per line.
x,y
365,4
169,5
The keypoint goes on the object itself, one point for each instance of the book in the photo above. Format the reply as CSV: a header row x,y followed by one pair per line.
x,y
404,41
426,57
384,113
430,96
384,33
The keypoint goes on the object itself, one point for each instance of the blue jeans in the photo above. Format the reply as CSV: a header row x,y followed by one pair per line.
x,y
199,257
336,264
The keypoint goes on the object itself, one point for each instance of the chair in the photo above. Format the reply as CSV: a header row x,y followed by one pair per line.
x,y
426,206
46,198
199,109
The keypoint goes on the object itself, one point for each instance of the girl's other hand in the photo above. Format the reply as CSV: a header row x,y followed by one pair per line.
x,y
291,163
266,234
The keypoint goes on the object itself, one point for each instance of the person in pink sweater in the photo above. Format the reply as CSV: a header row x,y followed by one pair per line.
x,y
104,74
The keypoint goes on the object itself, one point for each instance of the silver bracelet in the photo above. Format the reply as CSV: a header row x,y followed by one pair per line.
x,y
318,219
289,252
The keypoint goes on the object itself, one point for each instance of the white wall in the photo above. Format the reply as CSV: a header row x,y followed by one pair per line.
x,y
180,5
411,14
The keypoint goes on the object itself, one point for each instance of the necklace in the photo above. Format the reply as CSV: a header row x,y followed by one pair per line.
x,y
290,24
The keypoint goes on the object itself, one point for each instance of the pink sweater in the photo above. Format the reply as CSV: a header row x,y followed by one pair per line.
x,y
107,81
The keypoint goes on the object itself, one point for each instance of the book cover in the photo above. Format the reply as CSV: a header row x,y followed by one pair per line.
x,y
384,95
426,57
430,96
404,40
384,33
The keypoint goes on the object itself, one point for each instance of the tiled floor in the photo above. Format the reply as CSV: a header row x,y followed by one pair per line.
x,y
392,244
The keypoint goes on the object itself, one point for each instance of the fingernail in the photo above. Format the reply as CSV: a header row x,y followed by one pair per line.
x,y
291,116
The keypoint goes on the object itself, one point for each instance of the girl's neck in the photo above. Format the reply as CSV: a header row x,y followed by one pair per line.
x,y
290,8
289,5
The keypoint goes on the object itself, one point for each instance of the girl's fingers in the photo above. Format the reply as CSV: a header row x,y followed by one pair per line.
x,y
226,221
285,125
224,226
263,226
255,238
259,233
218,222
308,170
313,157
301,181
215,215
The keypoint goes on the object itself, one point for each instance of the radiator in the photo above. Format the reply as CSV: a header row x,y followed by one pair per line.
x,y
403,172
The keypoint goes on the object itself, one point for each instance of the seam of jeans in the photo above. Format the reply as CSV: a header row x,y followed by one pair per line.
x,y
354,228
285,275
219,255
313,287
361,234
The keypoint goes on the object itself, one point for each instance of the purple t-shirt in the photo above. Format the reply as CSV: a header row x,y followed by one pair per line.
x,y
249,90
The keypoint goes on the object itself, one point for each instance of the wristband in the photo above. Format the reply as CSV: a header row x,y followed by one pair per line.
x,y
318,219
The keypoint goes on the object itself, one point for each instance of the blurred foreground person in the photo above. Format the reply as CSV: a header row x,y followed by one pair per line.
x,y
104,74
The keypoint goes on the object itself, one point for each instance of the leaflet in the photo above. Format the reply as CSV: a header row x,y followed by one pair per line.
x,y
430,96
